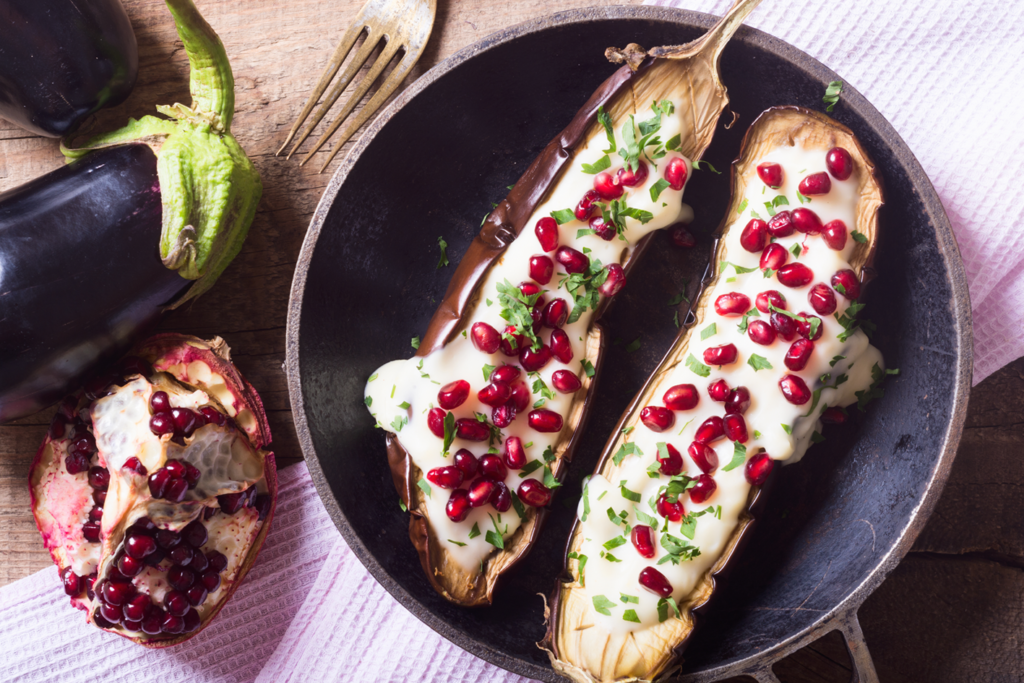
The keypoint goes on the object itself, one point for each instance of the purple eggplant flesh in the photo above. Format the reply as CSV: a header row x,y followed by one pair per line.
x,y
80,273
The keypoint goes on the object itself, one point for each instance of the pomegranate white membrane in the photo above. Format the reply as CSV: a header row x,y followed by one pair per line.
x,y
507,401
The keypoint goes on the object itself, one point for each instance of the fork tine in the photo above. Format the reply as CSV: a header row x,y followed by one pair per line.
x,y
344,47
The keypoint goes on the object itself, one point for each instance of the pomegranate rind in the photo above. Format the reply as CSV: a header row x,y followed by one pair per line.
x,y
658,649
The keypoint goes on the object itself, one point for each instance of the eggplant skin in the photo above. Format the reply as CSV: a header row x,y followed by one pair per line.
x,y
62,60
80,273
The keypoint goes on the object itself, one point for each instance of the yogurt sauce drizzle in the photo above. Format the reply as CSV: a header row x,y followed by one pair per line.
x,y
401,393
774,425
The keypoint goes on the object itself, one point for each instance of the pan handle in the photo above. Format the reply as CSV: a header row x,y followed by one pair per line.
x,y
863,666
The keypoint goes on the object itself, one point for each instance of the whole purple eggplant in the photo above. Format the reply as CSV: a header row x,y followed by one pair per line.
x,y
62,60
144,219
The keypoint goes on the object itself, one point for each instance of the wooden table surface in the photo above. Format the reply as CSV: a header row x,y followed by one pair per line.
x,y
952,611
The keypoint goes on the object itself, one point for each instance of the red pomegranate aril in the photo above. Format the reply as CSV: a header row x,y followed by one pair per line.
x,y
83,444
615,280
504,415
798,355
572,260
176,603
770,174
585,209
681,397
161,423
449,477
144,525
471,429
506,374
704,489
91,531
196,595
642,537
160,402
671,465
501,499
111,613
96,514
822,298
182,555
217,560
184,421
129,566
137,608
761,332
175,468
774,257
676,172
230,503
806,221
199,562
657,418
555,313
673,512
846,283
534,359
211,579
719,390
492,467
839,163
795,275
803,326
99,477
758,468
192,621
173,625
537,313
833,416
655,582
547,233
453,394
134,626
607,186
466,463
738,401
494,394
815,184
735,428
480,492
515,454
541,269
153,623
703,456
561,347
721,355
770,298
603,229
565,381
681,236
529,288
176,490
754,236
138,546
192,475
485,338
710,430
72,582
834,234
58,426
181,578
784,326
732,303
457,507
795,390
544,420
512,342
534,493
99,496
627,177
195,534
117,592
435,421
212,415
781,224
521,396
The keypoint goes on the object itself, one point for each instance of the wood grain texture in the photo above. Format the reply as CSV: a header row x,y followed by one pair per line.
x,y
950,612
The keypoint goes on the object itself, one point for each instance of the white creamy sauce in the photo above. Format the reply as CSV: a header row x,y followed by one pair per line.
x,y
403,382
769,410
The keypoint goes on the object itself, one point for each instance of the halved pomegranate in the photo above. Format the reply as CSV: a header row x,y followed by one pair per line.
x,y
155,569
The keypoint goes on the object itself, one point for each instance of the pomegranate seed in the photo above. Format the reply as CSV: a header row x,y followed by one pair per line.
x,y
84,445
544,420
506,374
839,163
117,592
627,177
771,297
199,563
158,482
471,429
681,397
758,468
175,468
561,347
195,534
534,359
732,303
57,427
218,562
585,209
466,463
806,221
681,236
703,456
72,582
111,613
137,608
541,269
99,497
735,428
738,401
566,382
521,396
480,492
704,489
99,477
485,338
605,231
798,355
138,546
547,233
834,234
192,475
192,621
643,540
803,326
719,390
211,579
615,280
529,288
196,595
607,186
784,325
657,419
833,416
173,625
754,236
91,532
200,421
537,312
534,493
176,490
457,507
774,256
795,390
161,423
673,512
795,275
501,499
710,430
761,332
182,555
435,421
504,415
453,394
781,224
449,477
515,454
676,172
655,582
184,421
153,623
556,313
822,298
97,387
491,467
96,514
176,603
721,355
770,174
511,342
494,394
815,184
144,525
231,503
572,260
212,415
673,464
181,578
847,279
135,465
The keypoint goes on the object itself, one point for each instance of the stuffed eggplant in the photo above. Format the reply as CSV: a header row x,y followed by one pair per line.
x,y
775,351
481,423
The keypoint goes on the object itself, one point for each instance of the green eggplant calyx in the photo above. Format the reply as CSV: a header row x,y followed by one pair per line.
x,y
208,186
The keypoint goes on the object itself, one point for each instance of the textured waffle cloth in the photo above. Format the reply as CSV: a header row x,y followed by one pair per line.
x,y
944,72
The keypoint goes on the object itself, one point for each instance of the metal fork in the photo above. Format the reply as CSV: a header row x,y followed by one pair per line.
x,y
402,25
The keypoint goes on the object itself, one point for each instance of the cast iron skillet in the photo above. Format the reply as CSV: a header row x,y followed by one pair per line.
x,y
431,165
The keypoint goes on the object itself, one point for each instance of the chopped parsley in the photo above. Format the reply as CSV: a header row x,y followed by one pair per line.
x,y
415,342
529,468
475,531
515,310
582,560
787,429
424,486
401,504
832,92
458,543
399,422
615,543
816,437
449,433
630,615
605,120
758,362
488,369
368,400
627,494
796,250
677,549
633,345
739,456
372,377
742,207
444,254
697,367
517,504
601,164
696,166
874,391
583,287
588,367
495,537
740,270
859,237
624,450
663,605
563,216
709,331
657,188
603,604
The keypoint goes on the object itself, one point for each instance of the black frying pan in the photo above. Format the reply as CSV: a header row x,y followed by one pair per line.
x,y
431,165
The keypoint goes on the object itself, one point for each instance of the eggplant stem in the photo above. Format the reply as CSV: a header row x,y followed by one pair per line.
x,y
210,80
